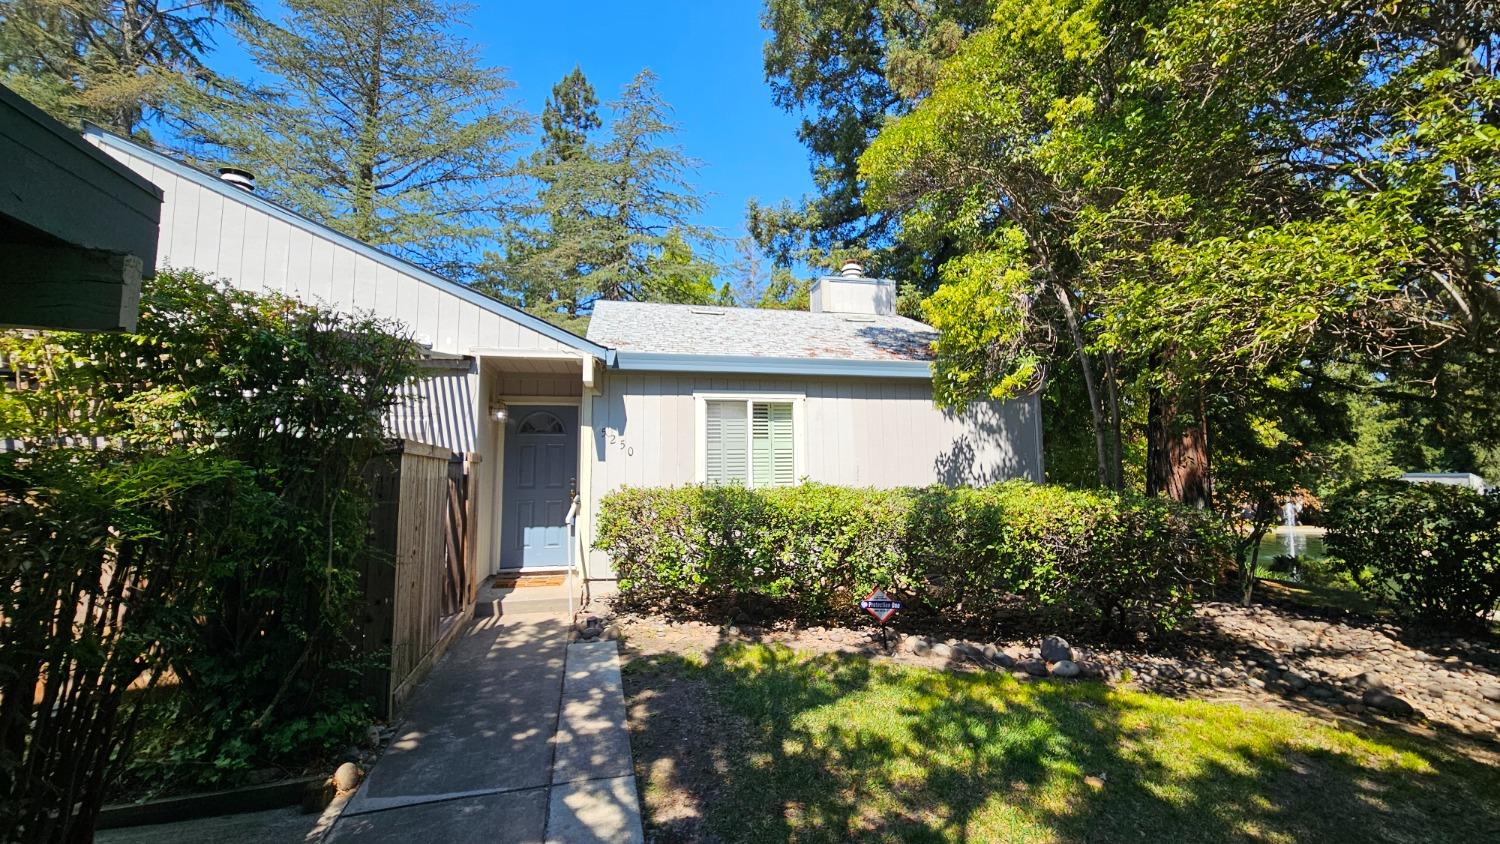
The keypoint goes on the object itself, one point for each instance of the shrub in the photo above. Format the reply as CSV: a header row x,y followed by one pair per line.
x,y
1429,551
291,397
810,551
103,554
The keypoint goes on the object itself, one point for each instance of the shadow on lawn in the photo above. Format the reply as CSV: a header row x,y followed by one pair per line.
x,y
780,746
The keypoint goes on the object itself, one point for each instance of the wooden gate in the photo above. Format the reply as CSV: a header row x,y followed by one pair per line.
x,y
418,570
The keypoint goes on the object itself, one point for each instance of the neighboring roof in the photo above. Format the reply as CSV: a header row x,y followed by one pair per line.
x,y
317,229
79,229
648,336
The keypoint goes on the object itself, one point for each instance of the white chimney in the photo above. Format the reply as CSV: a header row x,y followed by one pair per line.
x,y
850,292
242,179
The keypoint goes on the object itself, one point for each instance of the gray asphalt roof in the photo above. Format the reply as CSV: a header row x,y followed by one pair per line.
x,y
751,332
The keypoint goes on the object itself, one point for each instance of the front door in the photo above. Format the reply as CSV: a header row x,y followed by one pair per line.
x,y
541,467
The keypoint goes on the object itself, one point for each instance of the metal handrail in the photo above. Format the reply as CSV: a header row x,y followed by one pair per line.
x,y
573,554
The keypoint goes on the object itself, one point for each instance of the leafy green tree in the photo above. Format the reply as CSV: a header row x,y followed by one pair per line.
x,y
1210,192
379,122
612,218
676,274
785,291
976,163
116,64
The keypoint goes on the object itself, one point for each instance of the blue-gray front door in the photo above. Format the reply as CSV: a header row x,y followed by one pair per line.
x,y
541,469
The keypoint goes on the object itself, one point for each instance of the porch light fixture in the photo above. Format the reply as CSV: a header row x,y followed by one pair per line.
x,y
498,411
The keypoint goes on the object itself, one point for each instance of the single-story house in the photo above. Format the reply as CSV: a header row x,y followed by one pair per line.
x,y
654,395
78,229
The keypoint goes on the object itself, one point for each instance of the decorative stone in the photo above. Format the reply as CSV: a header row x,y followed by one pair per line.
x,y
1056,649
916,645
1490,711
347,776
1490,693
1065,668
1296,682
1386,702
1033,666
942,650
372,736
998,657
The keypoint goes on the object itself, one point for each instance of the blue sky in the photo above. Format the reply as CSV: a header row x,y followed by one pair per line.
x,y
707,56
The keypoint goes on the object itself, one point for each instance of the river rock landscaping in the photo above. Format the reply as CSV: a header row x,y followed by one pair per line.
x,y
1258,655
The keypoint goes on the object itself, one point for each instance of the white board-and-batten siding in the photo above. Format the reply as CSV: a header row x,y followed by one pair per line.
x,y
860,432
253,248
258,251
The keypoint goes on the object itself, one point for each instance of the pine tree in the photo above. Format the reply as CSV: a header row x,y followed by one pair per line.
x,y
116,64
571,113
645,198
380,122
546,266
612,217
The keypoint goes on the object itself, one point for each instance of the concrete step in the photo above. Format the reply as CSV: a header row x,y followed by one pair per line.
x,y
520,606
495,601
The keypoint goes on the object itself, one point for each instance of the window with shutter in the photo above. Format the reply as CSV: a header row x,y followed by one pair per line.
x,y
727,446
749,442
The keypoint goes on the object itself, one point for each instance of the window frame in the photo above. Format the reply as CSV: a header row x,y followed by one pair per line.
x,y
701,399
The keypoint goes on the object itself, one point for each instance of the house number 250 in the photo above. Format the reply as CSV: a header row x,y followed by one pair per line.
x,y
612,439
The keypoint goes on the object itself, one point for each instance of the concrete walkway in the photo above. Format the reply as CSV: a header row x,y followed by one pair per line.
x,y
516,736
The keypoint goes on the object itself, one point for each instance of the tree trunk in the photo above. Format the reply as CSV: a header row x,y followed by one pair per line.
x,y
367,146
1177,458
1117,449
1075,331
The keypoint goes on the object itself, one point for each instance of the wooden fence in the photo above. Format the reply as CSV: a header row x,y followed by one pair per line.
x,y
419,581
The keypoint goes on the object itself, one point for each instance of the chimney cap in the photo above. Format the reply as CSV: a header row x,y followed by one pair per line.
x,y
852,269
240,178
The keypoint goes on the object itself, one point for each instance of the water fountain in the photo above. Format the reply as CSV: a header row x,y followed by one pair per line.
x,y
1289,534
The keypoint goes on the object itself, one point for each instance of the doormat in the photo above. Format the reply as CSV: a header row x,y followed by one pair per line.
x,y
522,581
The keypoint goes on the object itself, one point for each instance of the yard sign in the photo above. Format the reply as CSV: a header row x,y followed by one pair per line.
x,y
880,605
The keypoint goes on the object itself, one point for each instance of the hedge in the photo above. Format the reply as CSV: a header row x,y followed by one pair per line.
x,y
1431,552
809,552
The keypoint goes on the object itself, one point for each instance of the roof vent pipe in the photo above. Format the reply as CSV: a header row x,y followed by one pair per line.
x,y
242,179
852,269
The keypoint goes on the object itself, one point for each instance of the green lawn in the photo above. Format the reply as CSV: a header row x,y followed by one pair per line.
x,y
758,743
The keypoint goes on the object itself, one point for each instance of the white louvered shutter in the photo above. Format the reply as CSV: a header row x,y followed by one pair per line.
x,y
727,458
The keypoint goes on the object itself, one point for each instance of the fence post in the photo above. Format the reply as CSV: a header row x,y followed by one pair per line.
x,y
376,623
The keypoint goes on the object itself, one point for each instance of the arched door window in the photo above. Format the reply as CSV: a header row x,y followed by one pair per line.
x,y
541,422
